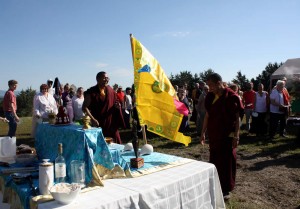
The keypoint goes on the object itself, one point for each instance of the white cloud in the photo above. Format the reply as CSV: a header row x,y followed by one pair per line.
x,y
173,34
121,76
101,65
120,72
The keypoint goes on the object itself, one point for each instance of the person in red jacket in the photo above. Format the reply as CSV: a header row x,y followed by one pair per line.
x,y
10,107
248,100
121,96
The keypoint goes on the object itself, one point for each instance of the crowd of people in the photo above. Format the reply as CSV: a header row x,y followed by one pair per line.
x,y
217,108
262,111
108,108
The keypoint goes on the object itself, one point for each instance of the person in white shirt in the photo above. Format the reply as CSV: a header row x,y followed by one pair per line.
x,y
261,104
127,107
77,102
43,104
276,101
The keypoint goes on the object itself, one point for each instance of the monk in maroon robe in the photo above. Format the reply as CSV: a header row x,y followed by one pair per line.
x,y
103,107
222,125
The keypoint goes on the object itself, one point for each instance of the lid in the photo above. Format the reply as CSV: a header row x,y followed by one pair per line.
x,y
128,147
147,149
45,163
254,114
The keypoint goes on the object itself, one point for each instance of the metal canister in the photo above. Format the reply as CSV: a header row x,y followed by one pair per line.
x,y
46,176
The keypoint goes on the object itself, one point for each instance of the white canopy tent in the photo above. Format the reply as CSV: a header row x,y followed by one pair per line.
x,y
290,69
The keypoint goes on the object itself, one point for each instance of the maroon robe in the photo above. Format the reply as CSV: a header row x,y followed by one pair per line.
x,y
222,122
109,117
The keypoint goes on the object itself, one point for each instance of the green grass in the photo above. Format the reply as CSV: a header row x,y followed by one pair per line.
x,y
23,133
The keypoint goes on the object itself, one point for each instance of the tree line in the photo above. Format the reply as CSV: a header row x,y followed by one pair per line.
x,y
240,79
25,97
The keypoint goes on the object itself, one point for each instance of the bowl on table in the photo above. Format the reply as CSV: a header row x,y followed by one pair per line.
x,y
109,140
65,193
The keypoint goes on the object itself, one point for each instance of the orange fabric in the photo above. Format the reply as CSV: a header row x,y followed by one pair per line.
x,y
286,96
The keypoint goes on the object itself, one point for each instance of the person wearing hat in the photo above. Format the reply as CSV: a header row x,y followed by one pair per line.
x,y
50,89
121,96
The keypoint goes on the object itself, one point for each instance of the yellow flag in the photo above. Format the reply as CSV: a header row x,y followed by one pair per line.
x,y
155,96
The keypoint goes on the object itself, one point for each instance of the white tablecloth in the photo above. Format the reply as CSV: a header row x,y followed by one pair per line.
x,y
109,196
193,185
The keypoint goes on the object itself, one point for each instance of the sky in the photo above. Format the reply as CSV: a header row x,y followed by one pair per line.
x,y
74,39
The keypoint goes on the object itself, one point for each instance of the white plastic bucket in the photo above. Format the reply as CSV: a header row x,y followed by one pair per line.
x,y
8,146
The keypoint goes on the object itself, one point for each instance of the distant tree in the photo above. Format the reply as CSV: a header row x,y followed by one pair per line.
x,y
182,78
205,74
115,86
241,80
25,102
196,78
265,76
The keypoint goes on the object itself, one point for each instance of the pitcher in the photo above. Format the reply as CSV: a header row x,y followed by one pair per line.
x,y
46,176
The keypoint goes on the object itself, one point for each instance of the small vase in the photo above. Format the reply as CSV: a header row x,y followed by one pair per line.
x,y
86,122
52,120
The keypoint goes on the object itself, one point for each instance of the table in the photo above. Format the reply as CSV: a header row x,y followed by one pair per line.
x,y
78,144
88,145
192,185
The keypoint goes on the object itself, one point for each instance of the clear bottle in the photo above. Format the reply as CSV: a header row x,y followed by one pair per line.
x,y
60,166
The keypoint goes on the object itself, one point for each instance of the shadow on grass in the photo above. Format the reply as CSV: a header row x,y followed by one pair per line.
x,y
291,161
281,151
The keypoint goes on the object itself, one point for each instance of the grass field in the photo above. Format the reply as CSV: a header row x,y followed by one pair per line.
x,y
23,133
268,174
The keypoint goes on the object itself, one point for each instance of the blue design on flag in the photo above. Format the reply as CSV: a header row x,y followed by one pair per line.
x,y
145,68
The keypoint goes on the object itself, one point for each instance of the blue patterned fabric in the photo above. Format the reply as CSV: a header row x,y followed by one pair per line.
x,y
150,161
88,145
78,144
22,189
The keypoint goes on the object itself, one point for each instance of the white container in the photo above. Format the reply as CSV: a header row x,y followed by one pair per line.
x,y
8,146
46,176
65,193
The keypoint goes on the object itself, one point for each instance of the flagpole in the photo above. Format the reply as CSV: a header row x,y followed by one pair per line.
x,y
143,126
130,35
144,134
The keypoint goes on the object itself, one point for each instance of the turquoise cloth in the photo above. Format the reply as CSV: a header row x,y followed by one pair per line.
x,y
150,161
22,189
78,144
81,144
